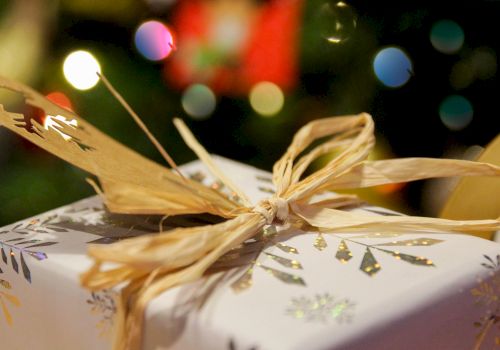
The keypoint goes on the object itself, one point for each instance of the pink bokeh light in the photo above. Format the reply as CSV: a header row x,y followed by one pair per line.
x,y
154,40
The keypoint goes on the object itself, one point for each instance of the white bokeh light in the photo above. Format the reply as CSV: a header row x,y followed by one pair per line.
x,y
80,69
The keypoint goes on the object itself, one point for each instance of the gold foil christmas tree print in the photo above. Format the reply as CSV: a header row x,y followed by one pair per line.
x,y
286,248
343,252
289,263
319,242
283,276
369,265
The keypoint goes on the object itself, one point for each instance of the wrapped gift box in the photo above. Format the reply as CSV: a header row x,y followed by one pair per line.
x,y
288,291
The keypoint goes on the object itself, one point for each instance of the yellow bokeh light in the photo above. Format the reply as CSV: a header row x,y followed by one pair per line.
x,y
80,69
266,98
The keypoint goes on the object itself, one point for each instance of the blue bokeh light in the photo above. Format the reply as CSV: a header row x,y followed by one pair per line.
x,y
392,67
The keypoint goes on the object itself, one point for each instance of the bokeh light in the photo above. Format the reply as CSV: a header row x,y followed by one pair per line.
x,y
154,40
392,67
266,98
456,112
484,63
337,21
198,101
80,69
390,188
462,74
447,36
60,99
481,64
473,152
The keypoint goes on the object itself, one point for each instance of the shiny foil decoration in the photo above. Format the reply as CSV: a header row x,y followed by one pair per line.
x,y
321,308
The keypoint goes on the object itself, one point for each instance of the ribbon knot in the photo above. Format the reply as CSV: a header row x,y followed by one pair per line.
x,y
275,210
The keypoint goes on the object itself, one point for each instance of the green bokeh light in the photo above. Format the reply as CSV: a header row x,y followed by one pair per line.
x,y
447,36
456,112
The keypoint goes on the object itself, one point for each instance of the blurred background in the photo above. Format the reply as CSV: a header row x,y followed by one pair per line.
x,y
245,75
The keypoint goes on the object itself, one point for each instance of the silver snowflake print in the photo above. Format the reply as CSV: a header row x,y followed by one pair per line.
x,y
91,216
322,308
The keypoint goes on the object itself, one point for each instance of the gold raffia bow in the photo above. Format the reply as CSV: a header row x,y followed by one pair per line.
x,y
132,184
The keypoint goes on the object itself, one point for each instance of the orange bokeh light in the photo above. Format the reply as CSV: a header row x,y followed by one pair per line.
x,y
390,188
60,99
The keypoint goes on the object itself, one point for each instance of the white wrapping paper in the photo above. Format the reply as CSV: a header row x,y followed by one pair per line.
x,y
426,290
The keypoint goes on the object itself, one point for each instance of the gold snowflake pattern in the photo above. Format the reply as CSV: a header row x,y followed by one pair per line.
x,y
487,295
321,308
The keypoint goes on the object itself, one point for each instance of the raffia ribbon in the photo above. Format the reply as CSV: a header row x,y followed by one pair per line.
x,y
149,265
156,263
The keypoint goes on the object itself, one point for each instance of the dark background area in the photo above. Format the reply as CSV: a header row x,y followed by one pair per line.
x,y
332,79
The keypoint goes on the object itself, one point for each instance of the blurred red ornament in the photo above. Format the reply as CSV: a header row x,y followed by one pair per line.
x,y
231,45
31,112
60,99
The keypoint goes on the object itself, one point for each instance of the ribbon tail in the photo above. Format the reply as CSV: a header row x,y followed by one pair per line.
x,y
336,201
336,220
374,173
153,264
